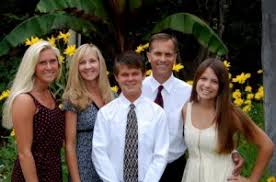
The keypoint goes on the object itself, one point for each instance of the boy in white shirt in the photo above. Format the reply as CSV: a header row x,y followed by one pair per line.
x,y
139,155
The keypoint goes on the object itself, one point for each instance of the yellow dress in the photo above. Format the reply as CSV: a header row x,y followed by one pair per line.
x,y
204,164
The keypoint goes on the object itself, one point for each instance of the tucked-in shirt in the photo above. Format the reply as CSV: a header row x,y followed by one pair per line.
x,y
109,139
175,94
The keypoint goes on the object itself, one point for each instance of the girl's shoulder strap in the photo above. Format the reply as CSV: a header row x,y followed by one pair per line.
x,y
34,99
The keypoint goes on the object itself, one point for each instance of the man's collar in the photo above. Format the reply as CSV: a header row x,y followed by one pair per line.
x,y
168,84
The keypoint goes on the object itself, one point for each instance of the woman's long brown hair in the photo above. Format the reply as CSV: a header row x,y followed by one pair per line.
x,y
229,118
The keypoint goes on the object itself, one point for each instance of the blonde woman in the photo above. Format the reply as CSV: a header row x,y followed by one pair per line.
x,y
32,110
86,91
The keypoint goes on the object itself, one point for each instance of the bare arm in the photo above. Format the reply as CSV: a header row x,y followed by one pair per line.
x,y
184,108
23,110
265,146
70,143
265,150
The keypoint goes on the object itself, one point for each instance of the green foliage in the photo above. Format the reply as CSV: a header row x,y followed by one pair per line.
x,y
190,24
247,150
8,155
110,21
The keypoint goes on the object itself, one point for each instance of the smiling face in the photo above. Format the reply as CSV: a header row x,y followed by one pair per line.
x,y
89,67
130,81
207,85
162,57
47,68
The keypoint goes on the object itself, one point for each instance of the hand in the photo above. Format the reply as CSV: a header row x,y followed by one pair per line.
x,y
238,179
238,161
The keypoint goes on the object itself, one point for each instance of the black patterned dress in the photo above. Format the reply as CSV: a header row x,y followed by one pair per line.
x,y
48,137
85,126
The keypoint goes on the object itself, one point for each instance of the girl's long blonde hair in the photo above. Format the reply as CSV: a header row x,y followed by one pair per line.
x,y
24,79
76,91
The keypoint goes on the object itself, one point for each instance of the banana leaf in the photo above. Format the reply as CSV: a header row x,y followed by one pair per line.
x,y
41,25
191,24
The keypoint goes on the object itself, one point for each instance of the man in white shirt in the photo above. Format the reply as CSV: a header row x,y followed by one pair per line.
x,y
111,128
162,56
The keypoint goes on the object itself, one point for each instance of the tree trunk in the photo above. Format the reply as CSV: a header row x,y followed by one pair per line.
x,y
269,67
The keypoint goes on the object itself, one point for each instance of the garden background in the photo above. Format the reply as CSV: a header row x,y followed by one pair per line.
x,y
229,29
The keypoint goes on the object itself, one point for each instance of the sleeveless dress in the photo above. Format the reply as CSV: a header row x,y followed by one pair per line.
x,y
204,163
48,137
85,127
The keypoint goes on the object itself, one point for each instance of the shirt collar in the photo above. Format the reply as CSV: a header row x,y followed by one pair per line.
x,y
168,84
125,102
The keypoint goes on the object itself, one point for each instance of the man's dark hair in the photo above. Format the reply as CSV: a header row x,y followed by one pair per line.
x,y
129,58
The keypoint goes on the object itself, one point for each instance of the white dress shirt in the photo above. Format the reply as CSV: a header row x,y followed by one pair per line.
x,y
175,94
109,140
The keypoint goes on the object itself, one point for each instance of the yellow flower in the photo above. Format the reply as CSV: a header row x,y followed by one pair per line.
x,y
246,108
229,75
177,67
12,132
70,50
238,102
4,94
190,82
145,46
141,48
260,71
241,78
148,72
115,89
248,102
64,36
271,179
248,88
247,75
61,59
249,96
260,94
230,85
227,64
52,41
32,41
236,94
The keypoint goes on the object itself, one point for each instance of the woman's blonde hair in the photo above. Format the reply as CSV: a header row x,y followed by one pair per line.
x,y
24,79
76,91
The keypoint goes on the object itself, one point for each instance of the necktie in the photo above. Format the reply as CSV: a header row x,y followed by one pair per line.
x,y
159,99
131,147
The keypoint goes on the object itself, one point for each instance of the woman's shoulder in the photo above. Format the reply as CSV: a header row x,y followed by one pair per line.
x,y
24,98
24,101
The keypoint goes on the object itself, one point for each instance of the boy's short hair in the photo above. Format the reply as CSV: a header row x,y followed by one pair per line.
x,y
129,58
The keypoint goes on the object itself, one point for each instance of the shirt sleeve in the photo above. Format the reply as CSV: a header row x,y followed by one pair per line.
x,y
161,149
68,106
100,145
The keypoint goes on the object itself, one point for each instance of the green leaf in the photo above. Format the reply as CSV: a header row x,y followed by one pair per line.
x,y
41,25
191,24
93,8
134,4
